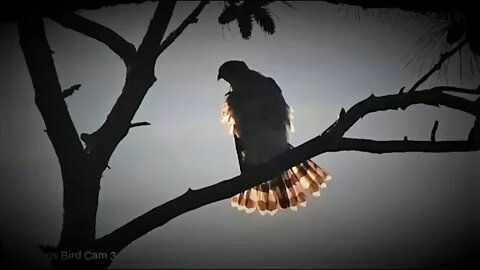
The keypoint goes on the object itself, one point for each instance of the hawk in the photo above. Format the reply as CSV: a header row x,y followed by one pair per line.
x,y
260,121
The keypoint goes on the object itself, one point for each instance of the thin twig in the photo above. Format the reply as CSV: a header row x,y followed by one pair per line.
x,y
192,18
434,131
69,91
139,124
438,65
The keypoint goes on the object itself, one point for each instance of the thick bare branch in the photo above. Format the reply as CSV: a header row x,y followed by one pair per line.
x,y
95,30
372,104
80,181
48,93
381,147
330,141
149,49
140,77
191,200
474,134
160,215
192,18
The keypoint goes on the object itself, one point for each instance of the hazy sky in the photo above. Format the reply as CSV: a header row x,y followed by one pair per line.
x,y
389,210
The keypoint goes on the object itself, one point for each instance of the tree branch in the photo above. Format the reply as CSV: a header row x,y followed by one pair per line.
x,y
434,131
69,91
160,215
139,124
149,49
140,77
382,147
48,92
438,65
330,141
80,180
456,90
474,134
372,104
192,18
95,30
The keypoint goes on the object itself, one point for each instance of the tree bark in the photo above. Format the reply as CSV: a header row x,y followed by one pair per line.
x,y
80,172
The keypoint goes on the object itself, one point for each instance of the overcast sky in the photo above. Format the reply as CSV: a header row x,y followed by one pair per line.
x,y
389,210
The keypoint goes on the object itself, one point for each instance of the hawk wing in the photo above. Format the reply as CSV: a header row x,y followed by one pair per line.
x,y
229,119
259,118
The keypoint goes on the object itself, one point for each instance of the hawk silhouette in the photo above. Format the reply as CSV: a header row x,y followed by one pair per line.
x,y
259,119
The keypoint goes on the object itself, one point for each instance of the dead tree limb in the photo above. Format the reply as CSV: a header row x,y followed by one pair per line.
x,y
192,18
95,30
330,141
48,92
438,65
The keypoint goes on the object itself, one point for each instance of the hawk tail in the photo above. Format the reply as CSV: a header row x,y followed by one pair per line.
x,y
285,191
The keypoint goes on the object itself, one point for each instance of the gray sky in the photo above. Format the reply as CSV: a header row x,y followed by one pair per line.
x,y
390,210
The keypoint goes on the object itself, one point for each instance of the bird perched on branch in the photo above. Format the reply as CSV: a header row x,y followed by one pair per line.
x,y
259,119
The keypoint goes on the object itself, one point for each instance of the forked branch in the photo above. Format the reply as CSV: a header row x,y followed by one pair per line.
x,y
95,30
192,18
438,65
330,141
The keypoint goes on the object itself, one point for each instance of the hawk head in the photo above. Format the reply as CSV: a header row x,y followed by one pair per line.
x,y
232,71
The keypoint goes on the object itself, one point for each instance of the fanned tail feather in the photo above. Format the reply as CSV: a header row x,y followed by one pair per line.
x,y
262,199
286,191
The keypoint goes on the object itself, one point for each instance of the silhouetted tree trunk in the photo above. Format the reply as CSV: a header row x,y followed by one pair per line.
x,y
82,166
81,172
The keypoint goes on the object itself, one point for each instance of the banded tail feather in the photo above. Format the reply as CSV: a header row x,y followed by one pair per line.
x,y
287,191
